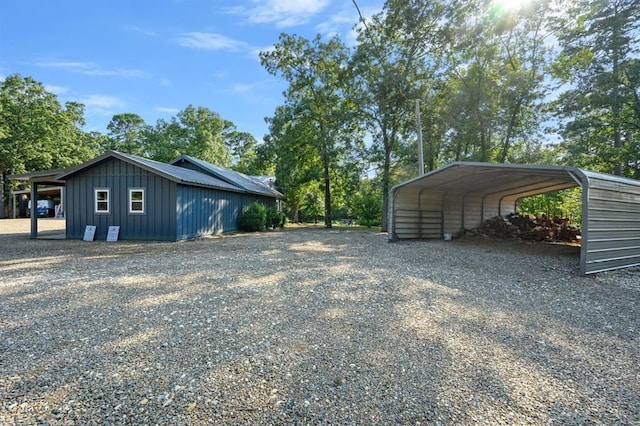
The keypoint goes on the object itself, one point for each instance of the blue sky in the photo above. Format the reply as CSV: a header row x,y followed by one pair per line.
x,y
154,58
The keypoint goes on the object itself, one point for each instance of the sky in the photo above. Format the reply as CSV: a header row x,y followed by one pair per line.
x,y
155,57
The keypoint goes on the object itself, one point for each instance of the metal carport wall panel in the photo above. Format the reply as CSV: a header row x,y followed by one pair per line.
x,y
463,195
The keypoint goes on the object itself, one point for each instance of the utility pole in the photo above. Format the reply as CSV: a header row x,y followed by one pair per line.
x,y
419,130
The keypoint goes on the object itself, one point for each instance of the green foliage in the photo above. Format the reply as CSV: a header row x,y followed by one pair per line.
x,y
195,131
598,63
319,117
258,217
565,204
296,161
275,218
37,132
254,217
126,134
246,156
313,206
367,206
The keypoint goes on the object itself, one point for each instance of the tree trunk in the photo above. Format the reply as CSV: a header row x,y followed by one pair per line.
x,y
327,195
617,134
385,190
2,199
512,124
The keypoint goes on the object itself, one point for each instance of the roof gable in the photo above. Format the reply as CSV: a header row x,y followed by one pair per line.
x,y
177,174
232,177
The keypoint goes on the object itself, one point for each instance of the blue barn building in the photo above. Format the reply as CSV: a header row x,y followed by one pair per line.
x,y
150,200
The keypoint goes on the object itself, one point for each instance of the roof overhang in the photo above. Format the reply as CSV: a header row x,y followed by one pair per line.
x,y
43,177
509,181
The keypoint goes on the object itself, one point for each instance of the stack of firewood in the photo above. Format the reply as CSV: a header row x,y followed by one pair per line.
x,y
531,227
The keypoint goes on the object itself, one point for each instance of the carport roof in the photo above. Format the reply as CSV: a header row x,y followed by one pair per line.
x,y
494,179
45,177
505,180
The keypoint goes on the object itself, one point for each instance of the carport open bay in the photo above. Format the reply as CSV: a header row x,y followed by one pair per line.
x,y
312,326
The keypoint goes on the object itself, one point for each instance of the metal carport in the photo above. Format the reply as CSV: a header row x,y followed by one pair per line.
x,y
462,195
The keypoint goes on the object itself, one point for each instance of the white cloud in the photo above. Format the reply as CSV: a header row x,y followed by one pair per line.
x,y
90,68
282,13
337,23
210,41
167,109
241,88
102,104
102,101
57,90
143,31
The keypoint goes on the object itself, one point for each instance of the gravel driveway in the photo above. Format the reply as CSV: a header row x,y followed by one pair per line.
x,y
311,326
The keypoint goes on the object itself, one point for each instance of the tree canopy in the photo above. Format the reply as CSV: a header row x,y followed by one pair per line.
x,y
554,82
37,132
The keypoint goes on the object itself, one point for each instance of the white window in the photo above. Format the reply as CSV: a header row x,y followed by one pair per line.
x,y
102,199
136,200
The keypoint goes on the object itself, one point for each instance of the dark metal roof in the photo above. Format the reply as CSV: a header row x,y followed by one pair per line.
x,y
174,173
241,180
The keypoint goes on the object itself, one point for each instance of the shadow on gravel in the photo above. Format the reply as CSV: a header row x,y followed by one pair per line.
x,y
310,327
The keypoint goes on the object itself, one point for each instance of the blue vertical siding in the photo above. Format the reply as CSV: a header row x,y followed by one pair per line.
x,y
205,211
158,222
172,211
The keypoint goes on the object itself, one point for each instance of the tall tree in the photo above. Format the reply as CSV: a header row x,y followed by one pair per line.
x,y
495,74
126,133
297,162
37,132
394,66
244,157
598,62
195,131
319,82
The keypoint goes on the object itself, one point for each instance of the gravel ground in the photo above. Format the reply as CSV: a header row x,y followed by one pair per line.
x,y
311,326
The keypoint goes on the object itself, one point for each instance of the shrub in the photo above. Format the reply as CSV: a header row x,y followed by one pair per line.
x,y
283,219
272,218
254,217
275,218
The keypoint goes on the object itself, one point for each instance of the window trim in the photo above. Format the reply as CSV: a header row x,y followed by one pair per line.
x,y
131,201
96,201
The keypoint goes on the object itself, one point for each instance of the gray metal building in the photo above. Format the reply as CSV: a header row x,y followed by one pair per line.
x,y
150,200
463,195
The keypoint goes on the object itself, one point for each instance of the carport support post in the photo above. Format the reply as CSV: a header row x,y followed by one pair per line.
x,y
34,210
12,203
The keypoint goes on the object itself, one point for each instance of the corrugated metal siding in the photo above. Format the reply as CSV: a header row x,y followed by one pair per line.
x,y
411,220
474,213
478,191
431,214
205,211
611,225
157,223
452,213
